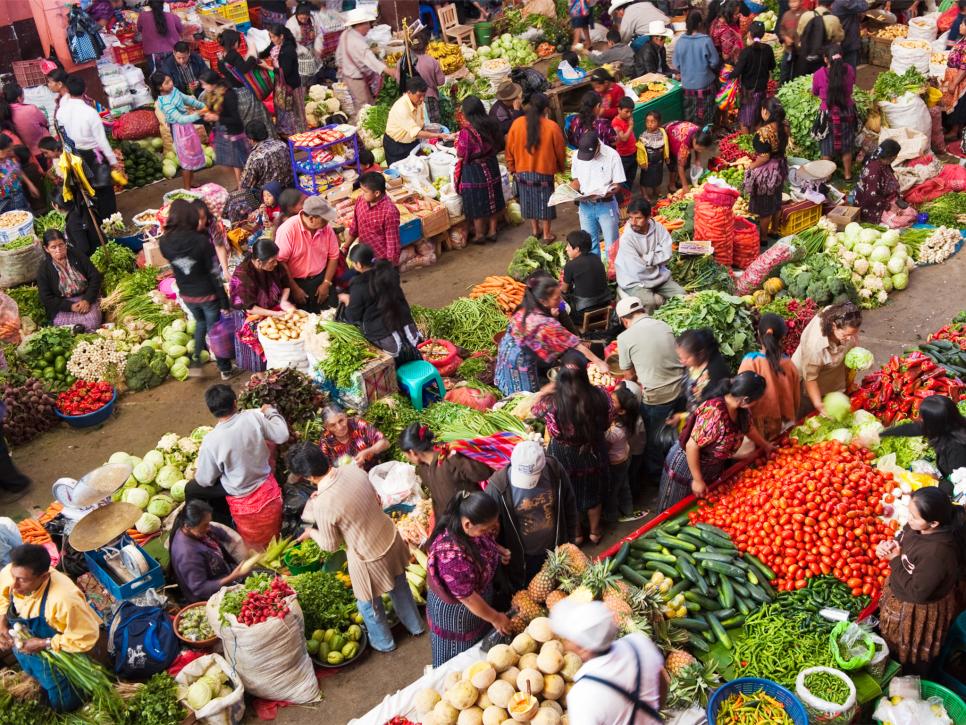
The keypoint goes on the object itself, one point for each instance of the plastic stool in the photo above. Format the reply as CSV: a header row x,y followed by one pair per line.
x,y
421,381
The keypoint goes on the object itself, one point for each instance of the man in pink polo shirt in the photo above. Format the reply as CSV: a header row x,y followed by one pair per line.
x,y
309,249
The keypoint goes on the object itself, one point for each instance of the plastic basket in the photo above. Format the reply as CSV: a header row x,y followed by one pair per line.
x,y
90,419
749,685
955,707
236,12
301,568
29,73
799,220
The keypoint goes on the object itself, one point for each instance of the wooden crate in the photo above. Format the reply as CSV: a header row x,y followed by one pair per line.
x,y
436,222
375,380
880,52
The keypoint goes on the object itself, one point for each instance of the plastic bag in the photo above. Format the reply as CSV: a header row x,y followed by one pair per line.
x,y
908,53
852,646
821,711
221,338
908,111
227,710
784,250
9,320
294,498
912,712
395,482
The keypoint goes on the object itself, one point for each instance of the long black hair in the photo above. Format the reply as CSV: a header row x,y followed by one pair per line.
x,y
535,111
694,23
776,114
743,385
771,332
699,343
631,406
182,217
836,77
306,459
475,114
157,80
539,289
416,437
942,423
934,504
192,514
383,286
586,114
581,408
288,40
478,508
160,17
264,250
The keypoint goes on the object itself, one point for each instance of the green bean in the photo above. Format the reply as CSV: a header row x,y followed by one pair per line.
x,y
469,324
828,687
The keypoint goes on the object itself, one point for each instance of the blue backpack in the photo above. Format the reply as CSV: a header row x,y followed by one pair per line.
x,y
142,640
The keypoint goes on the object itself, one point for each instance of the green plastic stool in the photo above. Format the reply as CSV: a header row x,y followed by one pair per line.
x,y
422,383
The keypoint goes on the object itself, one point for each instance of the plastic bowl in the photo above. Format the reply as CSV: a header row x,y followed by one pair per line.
x,y
166,287
748,685
195,643
363,646
302,568
90,419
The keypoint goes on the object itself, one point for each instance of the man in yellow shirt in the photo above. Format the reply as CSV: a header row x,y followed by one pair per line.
x,y
55,613
404,125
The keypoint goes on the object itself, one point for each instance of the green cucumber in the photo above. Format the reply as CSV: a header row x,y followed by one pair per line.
x,y
691,624
743,607
698,542
726,593
752,578
707,603
678,588
645,545
758,594
692,606
621,556
714,556
669,527
733,622
652,556
719,631
723,614
729,570
760,566
712,577
665,569
711,529
632,576
698,643
740,589
680,556
672,542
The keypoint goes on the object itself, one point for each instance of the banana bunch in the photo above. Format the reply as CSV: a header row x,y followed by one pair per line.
x,y
416,575
449,55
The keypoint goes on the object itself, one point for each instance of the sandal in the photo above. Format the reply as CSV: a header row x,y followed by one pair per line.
x,y
478,240
549,240
490,239
595,538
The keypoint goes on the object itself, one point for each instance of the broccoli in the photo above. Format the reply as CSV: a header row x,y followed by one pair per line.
x,y
533,255
145,369
836,286
818,291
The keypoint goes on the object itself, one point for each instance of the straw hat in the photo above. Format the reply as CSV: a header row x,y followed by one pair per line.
x,y
357,16
509,92
103,525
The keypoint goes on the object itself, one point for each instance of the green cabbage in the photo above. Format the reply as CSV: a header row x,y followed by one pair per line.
x,y
148,523
177,490
199,695
168,476
858,358
161,505
837,405
155,458
138,496
145,472
842,435
900,281
122,457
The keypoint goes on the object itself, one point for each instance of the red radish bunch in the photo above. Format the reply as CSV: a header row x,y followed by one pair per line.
x,y
808,511
261,606
84,397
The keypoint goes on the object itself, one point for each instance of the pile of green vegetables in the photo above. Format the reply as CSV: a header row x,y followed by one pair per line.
x,y
949,210
46,353
115,262
19,243
820,592
308,552
827,687
28,302
819,277
532,255
326,602
156,702
50,220
801,108
455,422
347,353
726,315
391,415
906,449
696,273
292,393
468,324
889,86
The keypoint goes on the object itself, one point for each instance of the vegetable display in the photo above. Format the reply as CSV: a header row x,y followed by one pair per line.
x,y
801,108
292,393
284,327
751,709
84,397
194,625
50,220
335,647
896,390
467,323
114,261
822,520
827,687
533,254
326,601
889,86
939,246
453,422
726,315
46,353
879,263
308,552
696,273
949,210
819,277
346,353
260,598
507,291
30,411
156,702
797,314
28,302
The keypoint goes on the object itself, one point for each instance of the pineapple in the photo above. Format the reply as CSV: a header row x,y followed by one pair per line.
x,y
666,636
544,582
677,660
577,561
556,596
599,579
517,625
693,684
525,607
646,602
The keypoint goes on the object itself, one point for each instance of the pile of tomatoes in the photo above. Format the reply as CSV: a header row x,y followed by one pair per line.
x,y
260,606
84,397
808,511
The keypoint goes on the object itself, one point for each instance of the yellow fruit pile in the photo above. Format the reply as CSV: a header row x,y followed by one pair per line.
x,y
448,54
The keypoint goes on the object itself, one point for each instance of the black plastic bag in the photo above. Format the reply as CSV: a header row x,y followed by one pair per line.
x,y
294,497
530,81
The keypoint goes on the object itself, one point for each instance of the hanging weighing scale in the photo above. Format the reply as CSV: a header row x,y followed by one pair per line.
x,y
83,495
809,180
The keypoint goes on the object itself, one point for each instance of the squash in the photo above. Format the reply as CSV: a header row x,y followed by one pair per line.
x,y
760,298
773,285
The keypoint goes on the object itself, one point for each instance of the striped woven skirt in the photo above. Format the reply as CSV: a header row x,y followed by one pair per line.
x,y
535,191
588,469
676,478
89,320
841,133
750,114
481,188
915,632
699,105
452,627
230,149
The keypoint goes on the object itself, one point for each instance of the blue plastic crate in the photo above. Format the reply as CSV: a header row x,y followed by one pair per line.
x,y
749,685
410,232
135,242
243,27
152,580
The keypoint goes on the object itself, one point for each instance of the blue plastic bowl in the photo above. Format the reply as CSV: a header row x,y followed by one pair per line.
x,y
89,419
756,8
134,242
581,74
749,685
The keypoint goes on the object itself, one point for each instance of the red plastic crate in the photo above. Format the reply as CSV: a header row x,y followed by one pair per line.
x,y
211,51
28,73
255,14
128,54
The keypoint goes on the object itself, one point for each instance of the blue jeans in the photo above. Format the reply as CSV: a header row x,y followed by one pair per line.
x,y
654,417
377,625
600,220
206,314
15,201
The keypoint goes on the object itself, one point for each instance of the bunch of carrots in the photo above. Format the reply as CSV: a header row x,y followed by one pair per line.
x,y
669,224
508,292
33,532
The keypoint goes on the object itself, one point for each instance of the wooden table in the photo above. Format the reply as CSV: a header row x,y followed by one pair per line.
x,y
566,99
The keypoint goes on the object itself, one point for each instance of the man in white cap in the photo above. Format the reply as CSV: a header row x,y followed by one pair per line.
x,y
635,17
309,249
538,510
358,65
621,682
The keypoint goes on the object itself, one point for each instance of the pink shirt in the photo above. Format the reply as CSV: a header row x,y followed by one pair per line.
x,y
305,252
31,124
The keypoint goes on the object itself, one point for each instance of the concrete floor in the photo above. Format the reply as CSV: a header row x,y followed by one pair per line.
x,y
932,299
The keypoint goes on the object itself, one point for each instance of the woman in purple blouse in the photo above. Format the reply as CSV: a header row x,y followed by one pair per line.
x,y
204,557
463,559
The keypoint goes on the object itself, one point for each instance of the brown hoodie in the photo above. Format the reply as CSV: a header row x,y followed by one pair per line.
x,y
928,566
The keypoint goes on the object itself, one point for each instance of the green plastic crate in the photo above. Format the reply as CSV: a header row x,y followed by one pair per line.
x,y
670,106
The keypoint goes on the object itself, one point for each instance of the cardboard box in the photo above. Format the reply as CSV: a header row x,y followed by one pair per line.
x,y
375,380
842,216
152,254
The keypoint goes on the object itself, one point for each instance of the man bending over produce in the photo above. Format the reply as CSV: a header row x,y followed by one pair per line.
x,y
55,615
235,460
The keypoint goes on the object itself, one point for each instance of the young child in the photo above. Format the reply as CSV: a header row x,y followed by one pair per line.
x,y
753,70
619,503
580,20
270,209
652,154
625,144
617,52
368,162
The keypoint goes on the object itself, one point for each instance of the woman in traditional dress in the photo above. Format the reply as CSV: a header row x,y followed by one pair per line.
x,y
696,57
589,118
289,97
833,84
778,407
725,31
767,174
712,435
704,365
477,173
69,285
238,73
175,106
920,599
231,144
686,142
954,84
878,187
463,560
352,438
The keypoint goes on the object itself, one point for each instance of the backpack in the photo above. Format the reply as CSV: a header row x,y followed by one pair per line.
x,y
142,640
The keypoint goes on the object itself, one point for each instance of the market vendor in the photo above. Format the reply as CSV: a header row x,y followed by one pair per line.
x,y
377,305
235,462
621,680
508,106
686,143
54,612
260,285
445,473
69,285
345,513
944,428
535,338
205,556
878,188
375,219
538,511
920,599
310,251
654,54
464,558
634,18
711,437
820,355
584,276
185,67
306,28
644,251
350,437
429,69
359,68
404,126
